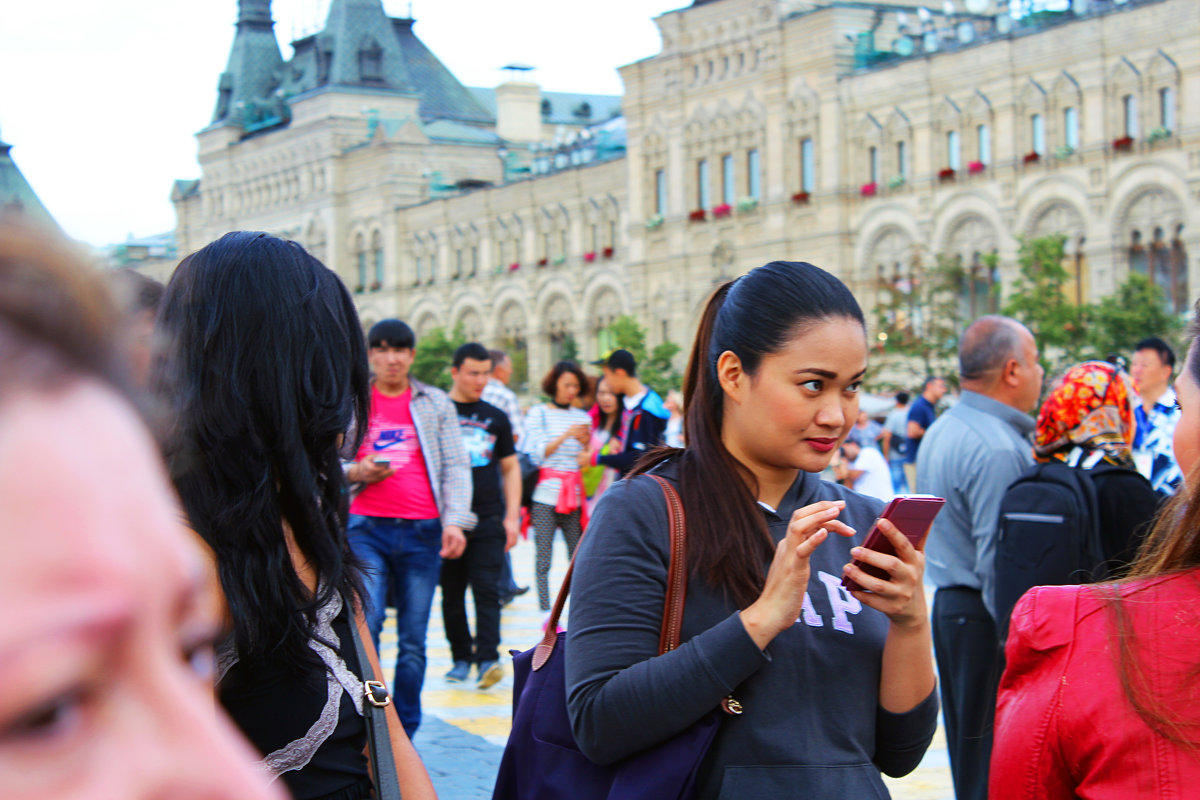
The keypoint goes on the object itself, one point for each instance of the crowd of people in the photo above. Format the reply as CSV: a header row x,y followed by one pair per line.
x,y
258,482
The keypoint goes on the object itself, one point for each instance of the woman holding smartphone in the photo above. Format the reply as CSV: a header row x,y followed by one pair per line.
x,y
1099,697
834,686
555,434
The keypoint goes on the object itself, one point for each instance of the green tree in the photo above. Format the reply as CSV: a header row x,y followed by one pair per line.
x,y
918,320
435,351
655,369
1039,299
1135,311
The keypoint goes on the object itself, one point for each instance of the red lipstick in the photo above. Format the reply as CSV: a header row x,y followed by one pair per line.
x,y
822,445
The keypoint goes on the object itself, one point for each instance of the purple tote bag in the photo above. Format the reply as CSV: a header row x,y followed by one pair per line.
x,y
541,760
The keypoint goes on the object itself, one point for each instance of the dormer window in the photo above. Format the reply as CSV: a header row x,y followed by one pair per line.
x,y
545,107
370,61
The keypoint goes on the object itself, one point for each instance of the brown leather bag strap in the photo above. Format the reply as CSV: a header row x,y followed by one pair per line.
x,y
677,571
672,621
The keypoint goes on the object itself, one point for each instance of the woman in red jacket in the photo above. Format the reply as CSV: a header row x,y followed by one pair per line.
x,y
1100,698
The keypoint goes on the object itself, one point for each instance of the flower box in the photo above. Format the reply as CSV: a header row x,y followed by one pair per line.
x,y
976,167
946,175
608,252
723,210
358,289
653,222
1124,144
1032,157
869,189
376,286
697,216
543,262
559,261
1064,151
800,198
513,267
747,204
1159,134
895,182
589,257
498,269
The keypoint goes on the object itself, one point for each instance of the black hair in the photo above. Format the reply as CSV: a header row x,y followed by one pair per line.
x,y
266,375
1165,353
609,422
472,350
752,317
902,398
392,333
550,381
930,379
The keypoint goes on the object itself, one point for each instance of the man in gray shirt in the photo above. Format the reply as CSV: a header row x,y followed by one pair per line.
x,y
969,456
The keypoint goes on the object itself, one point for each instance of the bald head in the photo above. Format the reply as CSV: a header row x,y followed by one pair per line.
x,y
997,356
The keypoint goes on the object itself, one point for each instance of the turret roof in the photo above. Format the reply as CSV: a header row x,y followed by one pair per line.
x,y
15,192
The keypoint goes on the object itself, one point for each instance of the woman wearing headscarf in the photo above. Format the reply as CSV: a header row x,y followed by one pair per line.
x,y
1088,421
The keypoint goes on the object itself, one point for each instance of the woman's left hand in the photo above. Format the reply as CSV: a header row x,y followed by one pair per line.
x,y
902,596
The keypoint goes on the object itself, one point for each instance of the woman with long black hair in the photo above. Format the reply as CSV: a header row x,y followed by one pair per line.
x,y
264,382
834,685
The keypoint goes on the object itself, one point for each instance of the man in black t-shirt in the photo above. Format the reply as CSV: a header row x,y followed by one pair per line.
x,y
496,476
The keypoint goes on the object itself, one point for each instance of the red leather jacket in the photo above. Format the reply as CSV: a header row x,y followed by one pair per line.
x,y
1064,727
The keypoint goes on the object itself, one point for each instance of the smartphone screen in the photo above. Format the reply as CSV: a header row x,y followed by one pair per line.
x,y
912,514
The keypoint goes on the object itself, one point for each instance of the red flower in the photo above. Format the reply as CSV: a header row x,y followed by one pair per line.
x,y
513,267
1124,143
869,189
976,167
946,174
1031,157
800,198
608,252
697,216
543,262
589,257
723,210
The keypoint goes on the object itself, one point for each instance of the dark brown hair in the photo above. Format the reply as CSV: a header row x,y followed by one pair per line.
x,y
57,317
752,317
550,382
1173,545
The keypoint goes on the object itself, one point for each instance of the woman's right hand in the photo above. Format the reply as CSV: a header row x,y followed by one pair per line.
x,y
782,598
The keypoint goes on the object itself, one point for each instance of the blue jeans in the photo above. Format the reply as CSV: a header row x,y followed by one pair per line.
x,y
899,480
400,554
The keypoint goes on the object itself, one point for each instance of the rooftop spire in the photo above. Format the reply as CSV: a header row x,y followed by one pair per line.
x,y
254,13
252,74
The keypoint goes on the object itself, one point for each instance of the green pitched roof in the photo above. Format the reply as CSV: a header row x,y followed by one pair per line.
x,y
252,75
565,108
16,195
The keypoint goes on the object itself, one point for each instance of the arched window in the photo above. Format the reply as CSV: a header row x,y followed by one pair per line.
x,y
377,252
360,251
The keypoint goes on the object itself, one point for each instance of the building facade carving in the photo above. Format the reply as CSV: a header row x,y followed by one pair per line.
x,y
840,133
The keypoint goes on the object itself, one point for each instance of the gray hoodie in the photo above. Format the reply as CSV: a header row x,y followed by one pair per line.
x,y
812,726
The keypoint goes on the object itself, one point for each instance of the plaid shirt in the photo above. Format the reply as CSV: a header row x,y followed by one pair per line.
x,y
503,398
438,431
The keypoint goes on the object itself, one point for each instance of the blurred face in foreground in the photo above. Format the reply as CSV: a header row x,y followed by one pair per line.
x,y
106,642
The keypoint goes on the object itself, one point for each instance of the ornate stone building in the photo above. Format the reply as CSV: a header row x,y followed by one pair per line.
x,y
856,135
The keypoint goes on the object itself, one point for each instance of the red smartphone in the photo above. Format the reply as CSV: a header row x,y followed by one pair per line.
x,y
912,514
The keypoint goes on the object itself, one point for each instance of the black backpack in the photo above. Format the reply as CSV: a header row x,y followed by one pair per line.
x,y
1048,534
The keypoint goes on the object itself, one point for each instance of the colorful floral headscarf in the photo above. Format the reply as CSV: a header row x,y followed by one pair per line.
x,y
1091,407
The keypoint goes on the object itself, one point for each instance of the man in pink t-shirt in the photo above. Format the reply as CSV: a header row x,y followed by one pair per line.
x,y
414,506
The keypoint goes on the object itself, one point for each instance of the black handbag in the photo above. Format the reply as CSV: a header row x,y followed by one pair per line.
x,y
541,760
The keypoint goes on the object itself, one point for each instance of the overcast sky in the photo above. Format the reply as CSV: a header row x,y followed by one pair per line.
x,y
101,99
